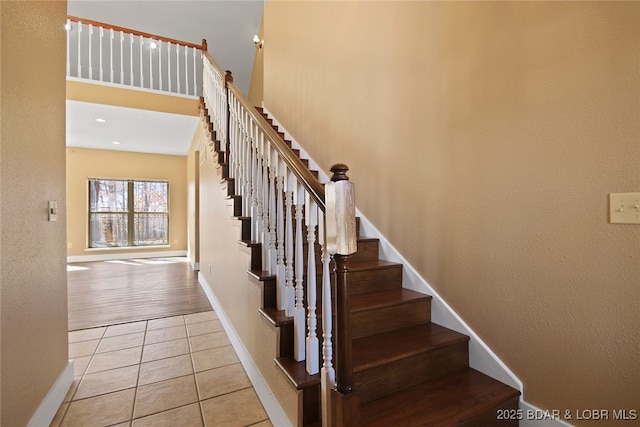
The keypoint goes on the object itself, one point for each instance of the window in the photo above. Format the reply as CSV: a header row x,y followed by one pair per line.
x,y
128,213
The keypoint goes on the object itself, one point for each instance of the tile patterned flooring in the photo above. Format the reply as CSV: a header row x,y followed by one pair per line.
x,y
178,371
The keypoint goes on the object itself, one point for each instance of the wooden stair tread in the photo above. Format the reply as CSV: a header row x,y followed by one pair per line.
x,y
249,243
261,275
297,373
276,317
446,401
372,300
401,343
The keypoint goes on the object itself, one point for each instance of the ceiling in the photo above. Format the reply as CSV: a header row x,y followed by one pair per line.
x,y
227,25
142,131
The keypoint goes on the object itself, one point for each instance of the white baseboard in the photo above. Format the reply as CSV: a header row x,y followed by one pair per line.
x,y
270,403
49,406
125,255
481,357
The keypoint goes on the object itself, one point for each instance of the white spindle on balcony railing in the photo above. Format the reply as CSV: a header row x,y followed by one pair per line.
x,y
94,54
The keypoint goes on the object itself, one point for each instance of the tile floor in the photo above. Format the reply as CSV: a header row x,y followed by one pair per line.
x,y
178,371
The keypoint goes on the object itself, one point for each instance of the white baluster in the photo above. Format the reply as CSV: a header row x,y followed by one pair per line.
x,y
121,57
289,243
313,345
160,86
111,55
186,77
141,71
273,169
256,176
79,50
131,59
248,153
299,314
266,237
100,63
169,65
281,280
151,64
90,55
195,78
178,68
327,373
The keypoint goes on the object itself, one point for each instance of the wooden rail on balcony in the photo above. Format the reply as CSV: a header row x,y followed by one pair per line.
x,y
105,53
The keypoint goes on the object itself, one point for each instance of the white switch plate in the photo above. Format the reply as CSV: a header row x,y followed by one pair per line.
x,y
624,208
52,207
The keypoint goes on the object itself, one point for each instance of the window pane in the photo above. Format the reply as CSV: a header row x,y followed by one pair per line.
x,y
108,230
107,195
150,196
151,229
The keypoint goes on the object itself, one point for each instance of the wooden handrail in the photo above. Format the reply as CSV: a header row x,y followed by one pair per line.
x,y
207,55
311,184
135,32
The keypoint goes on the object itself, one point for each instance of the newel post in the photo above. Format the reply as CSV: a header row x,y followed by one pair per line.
x,y
204,46
341,243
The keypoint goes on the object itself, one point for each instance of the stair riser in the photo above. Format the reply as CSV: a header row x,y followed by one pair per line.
x,y
359,281
382,380
364,281
378,320
228,187
235,205
378,279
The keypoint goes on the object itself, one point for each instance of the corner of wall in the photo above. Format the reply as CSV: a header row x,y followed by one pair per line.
x,y
49,406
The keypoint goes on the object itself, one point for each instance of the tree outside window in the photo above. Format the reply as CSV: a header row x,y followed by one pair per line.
x,y
128,213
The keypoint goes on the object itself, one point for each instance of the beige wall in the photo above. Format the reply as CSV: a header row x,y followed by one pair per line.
x,y
256,84
193,196
33,346
124,97
492,133
85,163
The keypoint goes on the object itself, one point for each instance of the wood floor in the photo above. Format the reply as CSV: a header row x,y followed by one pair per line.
x,y
111,292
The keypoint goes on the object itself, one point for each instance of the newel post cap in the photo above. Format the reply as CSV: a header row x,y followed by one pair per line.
x,y
339,172
228,78
204,45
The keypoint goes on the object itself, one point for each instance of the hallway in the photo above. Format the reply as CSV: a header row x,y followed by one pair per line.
x,y
177,370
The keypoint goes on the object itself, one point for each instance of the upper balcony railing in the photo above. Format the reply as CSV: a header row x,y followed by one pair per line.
x,y
109,54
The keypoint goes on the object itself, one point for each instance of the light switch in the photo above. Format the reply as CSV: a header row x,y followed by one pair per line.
x,y
624,208
53,210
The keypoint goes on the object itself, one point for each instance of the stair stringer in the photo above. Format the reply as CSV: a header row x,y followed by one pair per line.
x,y
481,357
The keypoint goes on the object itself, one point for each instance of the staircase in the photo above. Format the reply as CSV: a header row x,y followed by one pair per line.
x,y
408,371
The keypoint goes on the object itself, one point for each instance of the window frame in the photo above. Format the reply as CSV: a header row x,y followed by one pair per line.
x,y
130,213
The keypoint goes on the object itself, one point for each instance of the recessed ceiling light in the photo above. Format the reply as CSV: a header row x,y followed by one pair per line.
x,y
115,143
99,120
